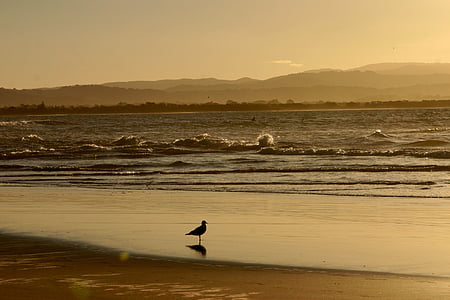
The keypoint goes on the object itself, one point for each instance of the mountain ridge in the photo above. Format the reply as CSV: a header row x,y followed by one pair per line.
x,y
412,68
357,84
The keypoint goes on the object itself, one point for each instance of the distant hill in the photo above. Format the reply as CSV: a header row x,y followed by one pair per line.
x,y
173,83
407,68
78,95
385,75
376,82
354,78
100,95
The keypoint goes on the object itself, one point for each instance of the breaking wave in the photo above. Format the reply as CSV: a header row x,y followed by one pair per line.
x,y
32,138
127,140
265,140
16,123
343,152
33,145
142,168
204,141
29,123
379,134
312,152
208,142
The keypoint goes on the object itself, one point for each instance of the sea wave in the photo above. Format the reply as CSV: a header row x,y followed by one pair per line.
x,y
49,122
208,142
379,134
39,149
90,148
16,123
32,138
152,168
392,168
264,144
127,140
74,168
444,154
179,163
289,183
28,123
425,130
364,153
428,143
203,141
265,140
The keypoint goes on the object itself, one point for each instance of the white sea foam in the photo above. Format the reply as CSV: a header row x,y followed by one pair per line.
x,y
265,140
127,140
32,138
16,123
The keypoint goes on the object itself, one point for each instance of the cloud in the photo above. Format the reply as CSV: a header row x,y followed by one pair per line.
x,y
282,61
286,62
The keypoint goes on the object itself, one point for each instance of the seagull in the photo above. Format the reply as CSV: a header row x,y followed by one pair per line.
x,y
199,231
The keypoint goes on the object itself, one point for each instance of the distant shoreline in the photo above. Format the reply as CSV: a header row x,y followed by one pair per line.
x,y
231,106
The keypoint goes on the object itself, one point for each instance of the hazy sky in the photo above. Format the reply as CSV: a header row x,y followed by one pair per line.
x,y
64,42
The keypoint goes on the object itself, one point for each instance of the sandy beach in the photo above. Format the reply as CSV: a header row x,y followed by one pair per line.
x,y
39,268
73,243
390,235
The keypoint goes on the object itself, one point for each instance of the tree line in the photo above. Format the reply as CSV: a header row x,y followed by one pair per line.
x,y
162,107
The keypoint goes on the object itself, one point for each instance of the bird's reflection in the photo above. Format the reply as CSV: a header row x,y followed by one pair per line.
x,y
199,248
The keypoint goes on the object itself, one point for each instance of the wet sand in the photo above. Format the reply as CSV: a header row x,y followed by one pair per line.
x,y
391,235
40,268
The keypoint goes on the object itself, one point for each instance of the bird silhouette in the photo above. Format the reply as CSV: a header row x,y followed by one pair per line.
x,y
199,231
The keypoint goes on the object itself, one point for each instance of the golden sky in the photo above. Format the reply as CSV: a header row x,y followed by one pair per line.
x,y
49,43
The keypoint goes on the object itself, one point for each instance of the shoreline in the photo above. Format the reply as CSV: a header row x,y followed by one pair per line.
x,y
209,262
34,267
226,111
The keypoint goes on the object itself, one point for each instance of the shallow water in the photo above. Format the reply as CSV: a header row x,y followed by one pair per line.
x,y
399,235
364,153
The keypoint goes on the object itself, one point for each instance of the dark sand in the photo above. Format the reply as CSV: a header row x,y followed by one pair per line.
x,y
37,268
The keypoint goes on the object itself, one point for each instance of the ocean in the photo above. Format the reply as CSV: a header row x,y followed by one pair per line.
x,y
403,153
361,190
